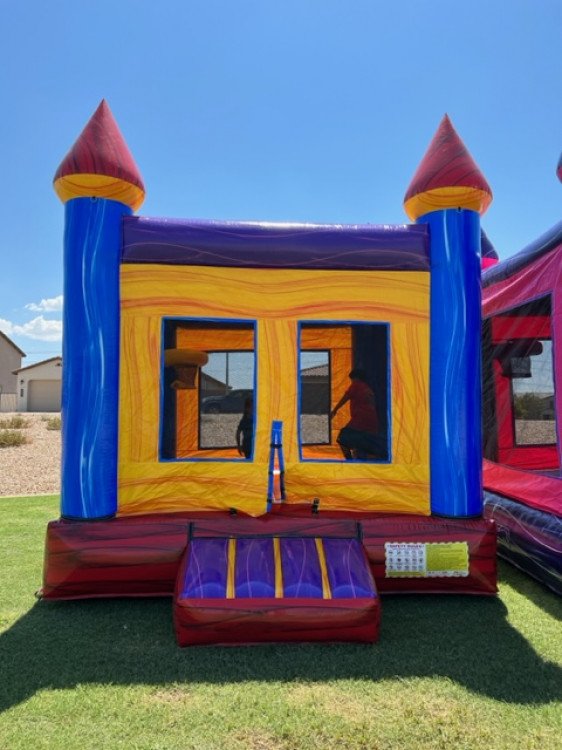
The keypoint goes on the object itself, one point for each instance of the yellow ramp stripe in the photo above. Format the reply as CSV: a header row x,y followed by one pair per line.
x,y
278,568
326,590
230,590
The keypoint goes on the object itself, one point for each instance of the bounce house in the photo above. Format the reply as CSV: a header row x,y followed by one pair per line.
x,y
274,423
522,363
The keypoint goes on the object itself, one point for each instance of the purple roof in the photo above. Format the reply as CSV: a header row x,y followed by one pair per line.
x,y
544,244
264,245
487,249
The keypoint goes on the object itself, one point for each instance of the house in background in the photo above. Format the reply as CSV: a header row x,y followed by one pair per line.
x,y
315,390
10,360
211,386
39,386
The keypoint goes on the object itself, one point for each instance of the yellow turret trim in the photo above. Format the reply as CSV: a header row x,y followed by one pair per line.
x,y
99,186
473,199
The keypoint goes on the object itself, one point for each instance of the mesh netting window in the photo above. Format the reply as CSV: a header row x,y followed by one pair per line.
x,y
533,396
344,396
315,384
208,390
226,390
519,411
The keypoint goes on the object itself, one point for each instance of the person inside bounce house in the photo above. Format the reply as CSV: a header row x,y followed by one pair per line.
x,y
360,438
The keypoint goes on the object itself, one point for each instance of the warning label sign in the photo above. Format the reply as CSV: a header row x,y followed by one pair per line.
x,y
426,559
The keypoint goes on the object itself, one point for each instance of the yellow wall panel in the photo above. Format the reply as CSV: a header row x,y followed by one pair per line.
x,y
179,486
278,299
139,405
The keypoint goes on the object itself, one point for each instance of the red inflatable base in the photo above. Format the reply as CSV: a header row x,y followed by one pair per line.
x,y
140,556
443,535
200,622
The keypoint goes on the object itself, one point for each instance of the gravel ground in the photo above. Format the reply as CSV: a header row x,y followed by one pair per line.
x,y
33,468
535,432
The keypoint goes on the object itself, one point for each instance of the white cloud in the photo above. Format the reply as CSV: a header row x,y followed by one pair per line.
x,y
39,328
52,304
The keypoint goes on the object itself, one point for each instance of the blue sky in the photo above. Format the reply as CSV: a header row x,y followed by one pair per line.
x,y
301,110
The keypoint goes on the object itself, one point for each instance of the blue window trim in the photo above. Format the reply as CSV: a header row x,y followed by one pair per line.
x,y
203,319
310,323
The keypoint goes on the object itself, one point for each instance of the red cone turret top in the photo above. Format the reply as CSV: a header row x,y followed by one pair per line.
x,y
447,177
100,164
559,168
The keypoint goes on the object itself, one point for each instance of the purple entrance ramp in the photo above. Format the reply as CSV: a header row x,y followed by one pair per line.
x,y
273,588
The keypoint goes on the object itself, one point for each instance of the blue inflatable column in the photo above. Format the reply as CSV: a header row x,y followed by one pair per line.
x,y
455,363
90,405
100,184
449,193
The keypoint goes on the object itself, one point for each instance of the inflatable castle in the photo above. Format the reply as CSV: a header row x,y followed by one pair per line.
x,y
522,363
272,423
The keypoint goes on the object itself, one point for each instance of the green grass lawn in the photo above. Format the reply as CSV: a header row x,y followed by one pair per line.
x,y
448,672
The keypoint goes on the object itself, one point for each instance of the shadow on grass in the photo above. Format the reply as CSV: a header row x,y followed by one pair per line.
x,y
535,591
59,645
